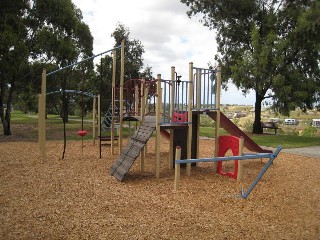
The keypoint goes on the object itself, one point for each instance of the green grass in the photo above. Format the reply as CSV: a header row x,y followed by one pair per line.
x,y
55,131
271,140
287,141
209,132
18,117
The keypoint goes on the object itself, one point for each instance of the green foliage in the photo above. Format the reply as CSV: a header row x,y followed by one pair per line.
x,y
309,131
247,126
267,45
205,121
35,34
133,52
292,131
13,54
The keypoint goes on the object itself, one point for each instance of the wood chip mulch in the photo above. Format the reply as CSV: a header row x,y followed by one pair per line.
x,y
76,198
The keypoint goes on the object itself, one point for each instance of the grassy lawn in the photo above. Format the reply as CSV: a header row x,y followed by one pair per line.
x,y
287,141
55,131
271,140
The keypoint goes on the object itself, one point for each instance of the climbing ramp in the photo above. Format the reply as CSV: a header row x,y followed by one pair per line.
x,y
134,147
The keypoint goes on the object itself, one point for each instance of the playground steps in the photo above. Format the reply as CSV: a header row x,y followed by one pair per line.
x,y
231,128
130,153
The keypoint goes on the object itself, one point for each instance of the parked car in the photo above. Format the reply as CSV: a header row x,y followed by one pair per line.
x,y
290,121
315,122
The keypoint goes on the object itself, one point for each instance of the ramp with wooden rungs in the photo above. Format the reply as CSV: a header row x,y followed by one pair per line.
x,y
134,147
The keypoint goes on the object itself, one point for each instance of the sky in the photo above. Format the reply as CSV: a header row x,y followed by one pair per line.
x,y
168,35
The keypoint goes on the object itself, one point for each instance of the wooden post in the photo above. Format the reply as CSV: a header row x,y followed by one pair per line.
x,y
94,121
198,94
113,96
217,128
136,100
142,100
197,105
41,128
172,103
172,92
42,115
158,112
171,157
99,121
240,171
142,111
121,96
177,170
190,104
147,88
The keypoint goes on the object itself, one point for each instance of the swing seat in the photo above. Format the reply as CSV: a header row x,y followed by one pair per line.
x,y
82,133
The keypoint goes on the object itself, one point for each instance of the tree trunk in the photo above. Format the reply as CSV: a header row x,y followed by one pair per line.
x,y
5,115
257,128
65,106
5,123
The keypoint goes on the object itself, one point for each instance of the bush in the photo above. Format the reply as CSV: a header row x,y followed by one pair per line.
x,y
309,131
292,131
206,121
247,126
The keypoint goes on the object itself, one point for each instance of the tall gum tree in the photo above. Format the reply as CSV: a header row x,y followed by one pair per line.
x,y
13,55
48,32
270,46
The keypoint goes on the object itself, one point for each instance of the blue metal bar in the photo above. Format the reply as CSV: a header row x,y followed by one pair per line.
x,y
230,158
72,91
244,195
86,59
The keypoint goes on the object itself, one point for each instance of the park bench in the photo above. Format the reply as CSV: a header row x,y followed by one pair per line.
x,y
270,125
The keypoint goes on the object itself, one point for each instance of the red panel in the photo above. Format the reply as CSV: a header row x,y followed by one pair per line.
x,y
228,143
180,116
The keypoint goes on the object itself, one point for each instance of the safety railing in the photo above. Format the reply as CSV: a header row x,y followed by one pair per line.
x,y
206,89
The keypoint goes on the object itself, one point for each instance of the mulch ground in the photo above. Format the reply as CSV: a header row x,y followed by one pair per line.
x,y
76,198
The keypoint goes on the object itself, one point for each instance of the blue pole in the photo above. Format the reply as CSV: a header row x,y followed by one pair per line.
x,y
262,172
216,159
86,59
244,194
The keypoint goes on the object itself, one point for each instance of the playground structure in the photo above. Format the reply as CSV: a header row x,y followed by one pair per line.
x,y
178,105
171,108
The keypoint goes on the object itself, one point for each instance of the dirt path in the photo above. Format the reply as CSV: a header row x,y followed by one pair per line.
x,y
76,198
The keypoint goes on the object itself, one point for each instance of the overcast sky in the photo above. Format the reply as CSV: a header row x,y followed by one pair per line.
x,y
169,36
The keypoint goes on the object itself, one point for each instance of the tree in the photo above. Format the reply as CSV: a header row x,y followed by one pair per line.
x,y
133,53
13,55
133,61
268,46
61,38
47,32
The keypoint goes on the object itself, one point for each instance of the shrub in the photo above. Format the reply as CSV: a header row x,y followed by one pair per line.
x,y
247,126
309,131
206,121
292,131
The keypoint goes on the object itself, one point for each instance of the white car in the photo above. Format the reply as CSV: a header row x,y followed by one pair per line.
x,y
290,121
